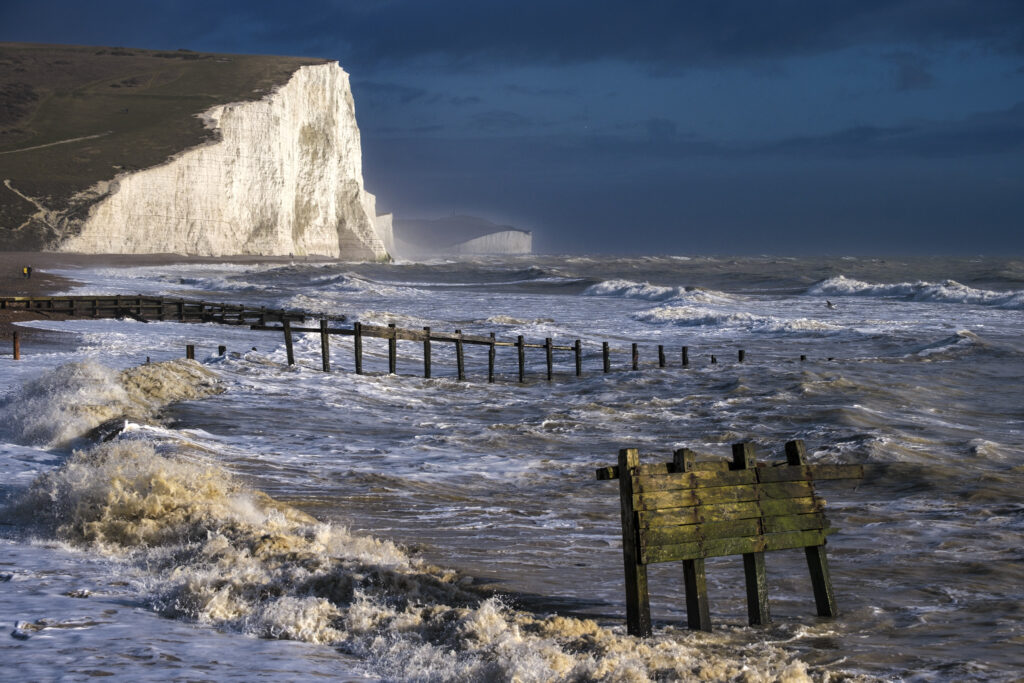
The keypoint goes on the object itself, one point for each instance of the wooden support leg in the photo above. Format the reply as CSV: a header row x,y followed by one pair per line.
x,y
522,358
757,589
638,602
289,349
753,563
392,349
460,359
547,354
490,361
357,346
605,357
325,346
426,352
636,356
817,563
578,350
698,614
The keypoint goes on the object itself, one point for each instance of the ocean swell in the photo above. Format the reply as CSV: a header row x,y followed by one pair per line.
x,y
949,291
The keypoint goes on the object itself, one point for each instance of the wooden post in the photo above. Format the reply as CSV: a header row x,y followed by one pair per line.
x,y
638,605
426,353
578,350
459,358
522,358
286,324
392,349
357,346
190,351
325,346
661,355
636,356
686,356
742,355
221,350
490,361
713,359
263,315
604,356
753,563
817,559
698,611
547,353
17,345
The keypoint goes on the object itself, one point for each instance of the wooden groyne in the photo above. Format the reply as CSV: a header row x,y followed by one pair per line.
x,y
393,334
151,308
290,322
688,510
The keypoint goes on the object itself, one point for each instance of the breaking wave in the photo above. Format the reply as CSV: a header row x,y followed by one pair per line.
x,y
627,289
211,550
74,398
694,316
949,291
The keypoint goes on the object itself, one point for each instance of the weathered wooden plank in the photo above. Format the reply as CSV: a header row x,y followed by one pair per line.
x,y
687,533
725,511
811,472
731,546
676,498
696,479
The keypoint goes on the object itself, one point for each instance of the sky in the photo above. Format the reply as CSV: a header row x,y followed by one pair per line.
x,y
860,127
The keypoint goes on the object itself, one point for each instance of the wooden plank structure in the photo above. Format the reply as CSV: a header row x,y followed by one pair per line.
x,y
687,510
152,308
288,322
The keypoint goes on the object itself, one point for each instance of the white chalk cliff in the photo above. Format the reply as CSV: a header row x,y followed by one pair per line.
x,y
284,177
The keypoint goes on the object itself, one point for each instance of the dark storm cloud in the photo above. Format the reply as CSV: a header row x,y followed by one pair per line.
x,y
986,133
389,93
663,34
500,121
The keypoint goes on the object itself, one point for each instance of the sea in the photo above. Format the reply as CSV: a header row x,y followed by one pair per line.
x,y
238,518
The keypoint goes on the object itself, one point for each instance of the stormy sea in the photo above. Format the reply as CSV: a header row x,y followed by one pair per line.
x,y
239,518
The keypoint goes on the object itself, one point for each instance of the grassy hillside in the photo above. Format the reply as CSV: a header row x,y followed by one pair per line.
x,y
72,116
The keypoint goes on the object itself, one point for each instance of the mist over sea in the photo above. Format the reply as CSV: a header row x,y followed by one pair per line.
x,y
258,521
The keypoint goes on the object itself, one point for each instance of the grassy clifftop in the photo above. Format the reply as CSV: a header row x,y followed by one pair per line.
x,y
73,116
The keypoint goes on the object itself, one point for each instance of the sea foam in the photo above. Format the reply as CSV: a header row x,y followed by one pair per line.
x,y
213,551
68,401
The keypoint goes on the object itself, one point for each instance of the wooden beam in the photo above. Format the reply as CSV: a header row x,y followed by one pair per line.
x,y
638,604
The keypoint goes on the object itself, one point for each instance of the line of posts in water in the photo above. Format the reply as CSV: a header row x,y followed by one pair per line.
x,y
358,332
392,334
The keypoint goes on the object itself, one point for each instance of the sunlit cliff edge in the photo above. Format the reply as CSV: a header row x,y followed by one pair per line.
x,y
274,176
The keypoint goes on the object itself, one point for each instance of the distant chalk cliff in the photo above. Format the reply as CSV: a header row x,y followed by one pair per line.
x,y
458,235
283,175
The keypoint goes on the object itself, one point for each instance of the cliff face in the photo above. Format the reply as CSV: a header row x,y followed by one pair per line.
x,y
284,177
